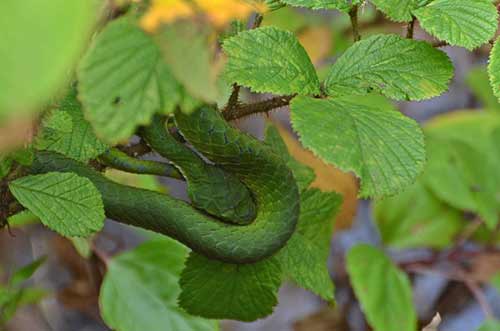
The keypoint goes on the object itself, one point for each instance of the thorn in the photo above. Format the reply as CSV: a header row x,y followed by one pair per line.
x,y
9,230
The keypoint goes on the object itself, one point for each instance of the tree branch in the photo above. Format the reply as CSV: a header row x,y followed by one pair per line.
x,y
258,107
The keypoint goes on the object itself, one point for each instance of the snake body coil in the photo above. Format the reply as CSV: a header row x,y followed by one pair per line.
x,y
265,174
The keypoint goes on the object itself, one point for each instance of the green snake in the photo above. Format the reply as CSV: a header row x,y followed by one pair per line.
x,y
257,201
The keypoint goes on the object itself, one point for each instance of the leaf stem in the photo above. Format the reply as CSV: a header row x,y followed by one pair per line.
x,y
353,14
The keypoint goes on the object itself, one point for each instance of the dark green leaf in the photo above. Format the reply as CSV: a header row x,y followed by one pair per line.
x,y
215,289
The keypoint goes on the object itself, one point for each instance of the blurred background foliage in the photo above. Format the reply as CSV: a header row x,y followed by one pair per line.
x,y
442,231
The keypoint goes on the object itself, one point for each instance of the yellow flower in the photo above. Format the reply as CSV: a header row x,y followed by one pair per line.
x,y
219,12
165,11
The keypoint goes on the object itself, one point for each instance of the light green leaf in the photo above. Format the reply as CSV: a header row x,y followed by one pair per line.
x,y
383,290
397,10
123,81
304,258
26,272
477,80
67,132
343,5
303,174
215,289
416,218
464,177
37,59
270,60
363,134
399,68
490,325
65,202
494,69
463,23
12,300
186,50
140,289
82,246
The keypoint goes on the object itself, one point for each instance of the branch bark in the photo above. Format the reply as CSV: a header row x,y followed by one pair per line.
x,y
258,107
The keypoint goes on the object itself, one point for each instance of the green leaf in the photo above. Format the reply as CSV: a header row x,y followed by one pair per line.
x,y
397,10
215,289
65,202
82,246
37,59
67,132
463,23
186,51
477,80
270,60
399,68
495,281
383,290
304,258
464,177
494,69
140,289
123,81
303,174
379,144
5,165
490,325
343,5
26,272
416,218
12,300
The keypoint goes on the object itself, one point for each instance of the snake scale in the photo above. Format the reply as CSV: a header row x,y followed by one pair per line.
x,y
260,209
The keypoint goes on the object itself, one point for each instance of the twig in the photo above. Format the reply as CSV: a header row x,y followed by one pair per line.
x,y
438,44
478,294
139,149
460,276
233,99
257,21
258,107
442,43
353,14
411,28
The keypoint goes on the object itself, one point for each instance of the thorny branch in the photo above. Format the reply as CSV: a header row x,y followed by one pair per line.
x,y
265,106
